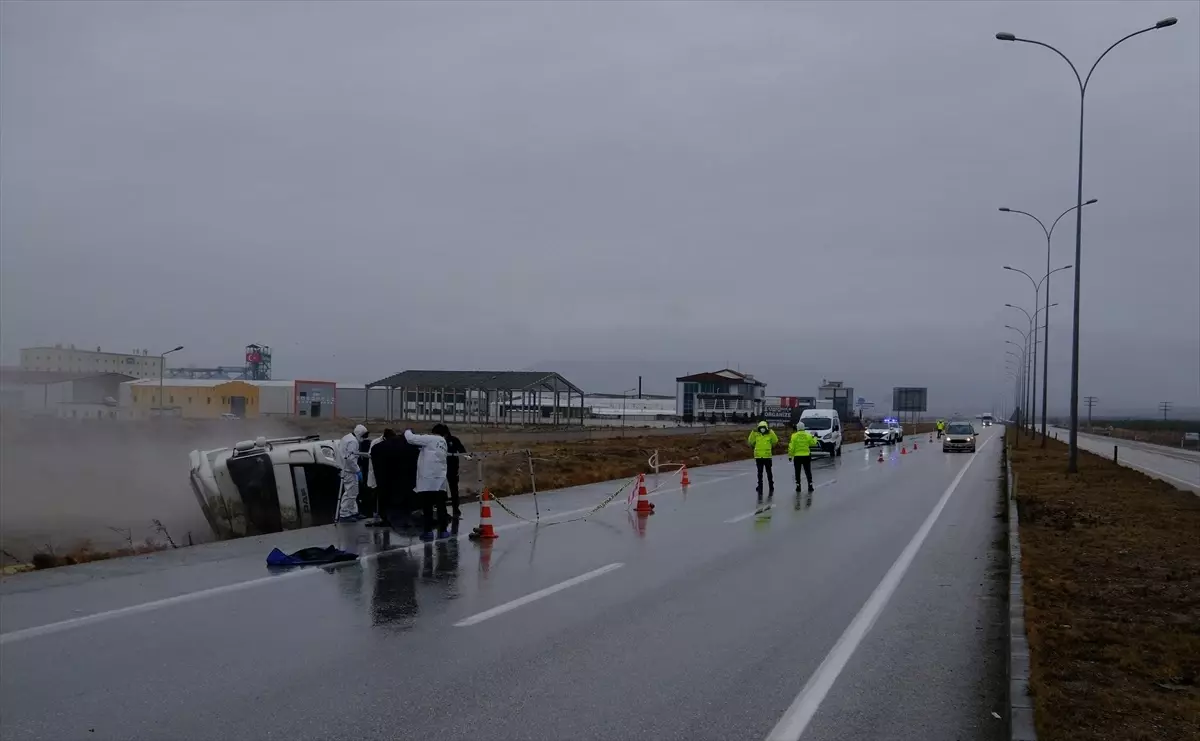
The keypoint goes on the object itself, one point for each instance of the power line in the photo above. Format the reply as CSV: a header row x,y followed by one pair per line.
x,y
1091,402
1164,407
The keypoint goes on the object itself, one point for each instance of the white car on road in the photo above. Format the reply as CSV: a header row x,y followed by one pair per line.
x,y
880,433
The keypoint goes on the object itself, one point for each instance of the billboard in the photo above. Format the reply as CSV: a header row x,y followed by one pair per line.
x,y
909,399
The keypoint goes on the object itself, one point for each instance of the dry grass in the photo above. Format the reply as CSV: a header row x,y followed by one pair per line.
x,y
1111,561
575,463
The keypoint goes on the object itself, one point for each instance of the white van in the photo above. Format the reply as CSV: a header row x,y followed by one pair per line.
x,y
827,426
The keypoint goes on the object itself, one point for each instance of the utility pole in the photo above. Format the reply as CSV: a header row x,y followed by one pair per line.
x,y
1091,402
1164,407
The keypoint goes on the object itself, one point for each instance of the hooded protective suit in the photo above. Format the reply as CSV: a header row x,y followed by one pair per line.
x,y
431,466
349,450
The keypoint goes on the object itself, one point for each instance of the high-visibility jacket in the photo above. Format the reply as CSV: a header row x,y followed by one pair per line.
x,y
941,425
802,443
763,444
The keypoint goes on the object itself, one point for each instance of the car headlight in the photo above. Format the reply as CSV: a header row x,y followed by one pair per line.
x,y
827,436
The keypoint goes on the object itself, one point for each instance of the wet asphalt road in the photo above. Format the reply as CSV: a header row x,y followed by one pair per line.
x,y
1178,467
703,621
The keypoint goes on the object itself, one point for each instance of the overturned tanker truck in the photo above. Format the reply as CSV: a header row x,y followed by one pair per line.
x,y
267,485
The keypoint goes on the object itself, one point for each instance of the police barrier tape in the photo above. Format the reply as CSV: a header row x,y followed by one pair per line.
x,y
631,485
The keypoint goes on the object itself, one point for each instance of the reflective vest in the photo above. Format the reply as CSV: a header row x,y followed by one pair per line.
x,y
802,443
763,444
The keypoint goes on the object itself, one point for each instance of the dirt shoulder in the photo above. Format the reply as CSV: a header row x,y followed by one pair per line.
x,y
1111,564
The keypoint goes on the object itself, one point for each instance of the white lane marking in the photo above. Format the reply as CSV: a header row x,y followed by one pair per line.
x,y
13,636
771,505
804,707
1151,471
534,596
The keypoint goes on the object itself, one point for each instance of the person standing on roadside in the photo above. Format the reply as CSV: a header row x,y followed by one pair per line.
x,y
431,480
454,448
763,440
800,453
349,449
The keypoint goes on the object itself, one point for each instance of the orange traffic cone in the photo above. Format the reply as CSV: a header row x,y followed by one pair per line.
x,y
643,504
915,444
931,437
903,450
684,480
881,455
485,530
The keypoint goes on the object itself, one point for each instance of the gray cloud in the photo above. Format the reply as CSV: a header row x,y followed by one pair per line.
x,y
375,186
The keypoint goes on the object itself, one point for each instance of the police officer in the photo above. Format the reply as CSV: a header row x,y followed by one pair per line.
x,y
941,427
763,440
800,453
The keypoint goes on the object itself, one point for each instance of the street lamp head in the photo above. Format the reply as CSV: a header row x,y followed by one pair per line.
x,y
1006,36
1005,209
1088,203
1164,23
1010,306
177,349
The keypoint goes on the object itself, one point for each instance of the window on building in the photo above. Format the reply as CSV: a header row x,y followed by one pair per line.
x,y
223,400
209,400
172,398
189,400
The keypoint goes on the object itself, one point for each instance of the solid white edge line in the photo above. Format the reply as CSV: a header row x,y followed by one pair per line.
x,y
534,596
798,715
35,631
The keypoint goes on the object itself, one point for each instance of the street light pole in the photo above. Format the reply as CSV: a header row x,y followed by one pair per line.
x,y
1023,417
1046,335
1073,455
162,367
1029,344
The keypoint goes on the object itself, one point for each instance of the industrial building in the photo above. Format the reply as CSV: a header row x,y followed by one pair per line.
x,y
725,395
58,394
68,359
503,397
841,395
196,398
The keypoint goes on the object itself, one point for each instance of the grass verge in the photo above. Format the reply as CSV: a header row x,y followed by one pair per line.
x,y
563,464
1111,563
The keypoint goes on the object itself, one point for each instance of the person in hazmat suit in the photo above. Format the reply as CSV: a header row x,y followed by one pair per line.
x,y
800,453
763,440
350,451
431,479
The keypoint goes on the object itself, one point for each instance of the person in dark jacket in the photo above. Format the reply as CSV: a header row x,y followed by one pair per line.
x,y
455,448
395,463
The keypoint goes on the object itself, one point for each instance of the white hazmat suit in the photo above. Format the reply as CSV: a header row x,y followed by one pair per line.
x,y
431,465
349,450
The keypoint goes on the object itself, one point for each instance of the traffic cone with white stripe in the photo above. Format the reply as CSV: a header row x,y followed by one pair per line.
x,y
915,442
485,530
644,505
684,480
880,459
903,450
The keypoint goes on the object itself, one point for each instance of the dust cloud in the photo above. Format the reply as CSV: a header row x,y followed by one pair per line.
x,y
66,482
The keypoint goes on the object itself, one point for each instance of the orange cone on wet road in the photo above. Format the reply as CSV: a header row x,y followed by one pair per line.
x,y
903,450
643,503
485,530
915,444
881,455
684,480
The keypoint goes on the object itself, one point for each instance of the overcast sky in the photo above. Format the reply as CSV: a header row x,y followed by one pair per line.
x,y
804,190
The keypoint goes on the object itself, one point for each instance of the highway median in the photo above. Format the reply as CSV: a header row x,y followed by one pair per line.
x,y
1111,560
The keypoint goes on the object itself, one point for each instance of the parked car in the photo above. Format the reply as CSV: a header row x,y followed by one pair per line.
x,y
826,425
959,436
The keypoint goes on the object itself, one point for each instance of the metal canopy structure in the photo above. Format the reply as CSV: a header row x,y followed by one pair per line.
x,y
487,397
